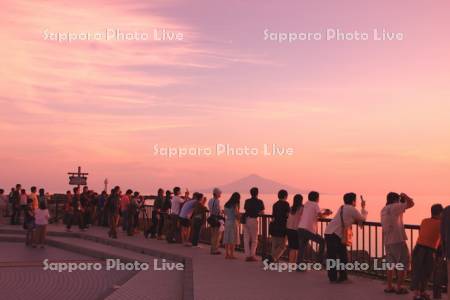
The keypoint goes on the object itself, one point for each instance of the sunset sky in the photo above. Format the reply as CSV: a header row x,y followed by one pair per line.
x,y
367,116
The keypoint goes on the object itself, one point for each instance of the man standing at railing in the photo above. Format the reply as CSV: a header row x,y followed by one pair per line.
x,y
215,211
307,228
394,237
173,234
338,235
156,214
254,208
277,228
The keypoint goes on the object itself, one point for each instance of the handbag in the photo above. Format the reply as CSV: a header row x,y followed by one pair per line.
x,y
213,220
347,233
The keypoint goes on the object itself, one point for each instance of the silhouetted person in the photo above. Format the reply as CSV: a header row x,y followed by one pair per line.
x,y
156,214
15,205
113,208
278,229
253,208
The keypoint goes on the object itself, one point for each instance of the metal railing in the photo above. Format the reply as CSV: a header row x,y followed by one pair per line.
x,y
367,245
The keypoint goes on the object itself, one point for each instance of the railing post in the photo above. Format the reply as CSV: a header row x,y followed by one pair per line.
x,y
264,237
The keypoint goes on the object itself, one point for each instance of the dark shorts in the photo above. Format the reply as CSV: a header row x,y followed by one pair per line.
x,y
185,222
292,236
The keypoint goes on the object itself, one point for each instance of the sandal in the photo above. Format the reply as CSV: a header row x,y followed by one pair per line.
x,y
402,291
390,291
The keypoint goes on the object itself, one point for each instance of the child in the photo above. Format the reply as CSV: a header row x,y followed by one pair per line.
x,y
41,216
424,252
28,223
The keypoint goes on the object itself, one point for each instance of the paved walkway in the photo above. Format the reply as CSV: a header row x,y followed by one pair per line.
x,y
217,278
23,278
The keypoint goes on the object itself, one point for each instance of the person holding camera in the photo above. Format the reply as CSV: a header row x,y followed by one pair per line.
x,y
395,239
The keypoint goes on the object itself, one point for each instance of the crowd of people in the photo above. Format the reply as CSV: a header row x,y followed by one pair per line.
x,y
33,206
179,218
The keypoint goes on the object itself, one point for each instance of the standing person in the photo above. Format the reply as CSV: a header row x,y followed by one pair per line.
x,y
41,218
68,211
292,225
445,239
338,230
34,198
278,227
395,239
42,197
133,210
185,217
124,205
102,214
11,201
231,235
4,203
112,207
163,213
23,202
424,252
156,216
86,203
253,208
198,219
93,207
77,208
175,202
15,205
29,223
307,228
215,214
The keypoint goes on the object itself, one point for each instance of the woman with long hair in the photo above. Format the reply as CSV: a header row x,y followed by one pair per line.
x,y
230,236
292,225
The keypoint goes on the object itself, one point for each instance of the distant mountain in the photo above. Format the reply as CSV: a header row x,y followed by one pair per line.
x,y
266,186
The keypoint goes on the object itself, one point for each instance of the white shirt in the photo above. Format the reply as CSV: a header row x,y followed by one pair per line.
x,y
392,223
23,199
41,216
308,221
214,206
350,216
176,204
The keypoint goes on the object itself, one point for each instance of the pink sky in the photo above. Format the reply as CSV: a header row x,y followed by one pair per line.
x,y
363,116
